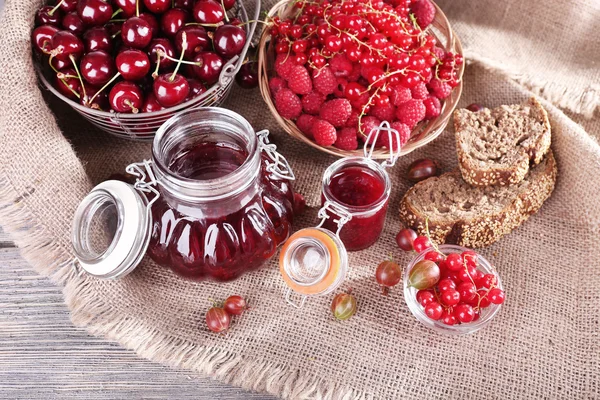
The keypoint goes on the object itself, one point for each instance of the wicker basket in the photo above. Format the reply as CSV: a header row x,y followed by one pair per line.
x,y
143,126
423,133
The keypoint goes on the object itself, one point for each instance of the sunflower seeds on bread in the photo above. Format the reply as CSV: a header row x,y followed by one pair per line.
x,y
497,147
475,216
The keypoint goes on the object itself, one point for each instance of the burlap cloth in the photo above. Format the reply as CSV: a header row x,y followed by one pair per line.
x,y
543,344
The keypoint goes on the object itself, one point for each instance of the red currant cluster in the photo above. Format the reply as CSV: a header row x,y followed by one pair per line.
x,y
343,66
126,55
451,287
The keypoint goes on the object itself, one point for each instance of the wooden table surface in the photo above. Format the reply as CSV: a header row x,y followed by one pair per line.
x,y
43,356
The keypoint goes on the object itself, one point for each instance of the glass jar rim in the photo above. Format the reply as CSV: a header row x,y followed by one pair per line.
x,y
364,162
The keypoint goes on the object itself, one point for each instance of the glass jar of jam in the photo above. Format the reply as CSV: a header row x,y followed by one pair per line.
x,y
214,202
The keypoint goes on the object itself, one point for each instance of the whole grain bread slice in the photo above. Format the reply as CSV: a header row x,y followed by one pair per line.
x,y
496,147
475,216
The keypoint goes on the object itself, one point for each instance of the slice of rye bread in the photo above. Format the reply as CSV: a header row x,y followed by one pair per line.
x,y
496,147
475,216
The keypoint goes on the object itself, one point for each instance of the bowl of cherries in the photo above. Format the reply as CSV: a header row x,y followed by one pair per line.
x,y
129,65
449,288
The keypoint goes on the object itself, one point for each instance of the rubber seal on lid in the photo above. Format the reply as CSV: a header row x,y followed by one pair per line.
x,y
111,230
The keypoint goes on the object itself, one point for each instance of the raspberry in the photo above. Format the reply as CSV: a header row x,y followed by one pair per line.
x,y
276,83
400,95
424,11
299,80
440,89
438,52
384,113
353,119
340,65
420,91
433,107
367,124
403,131
411,113
355,73
283,65
288,104
346,139
324,81
324,133
336,111
305,123
341,86
312,102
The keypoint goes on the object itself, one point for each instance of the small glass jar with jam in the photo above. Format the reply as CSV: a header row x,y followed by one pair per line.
x,y
214,201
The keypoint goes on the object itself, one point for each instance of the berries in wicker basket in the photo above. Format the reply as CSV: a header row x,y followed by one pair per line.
x,y
343,66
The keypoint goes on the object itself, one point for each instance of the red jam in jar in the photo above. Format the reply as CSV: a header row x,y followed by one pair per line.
x,y
220,212
361,188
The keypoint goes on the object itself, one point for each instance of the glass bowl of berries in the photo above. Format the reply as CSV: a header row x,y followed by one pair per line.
x,y
452,289
331,71
129,66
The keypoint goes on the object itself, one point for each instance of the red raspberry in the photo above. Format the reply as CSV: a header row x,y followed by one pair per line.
x,y
411,113
287,103
336,111
283,65
367,124
440,89
341,86
305,123
299,80
324,81
424,11
353,119
384,113
340,65
324,133
420,91
403,130
400,95
433,107
439,53
346,139
355,73
312,102
276,83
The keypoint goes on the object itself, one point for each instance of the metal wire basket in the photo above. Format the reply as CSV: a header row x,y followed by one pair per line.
x,y
143,126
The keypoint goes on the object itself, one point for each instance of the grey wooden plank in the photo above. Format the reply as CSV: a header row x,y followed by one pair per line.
x,y
43,356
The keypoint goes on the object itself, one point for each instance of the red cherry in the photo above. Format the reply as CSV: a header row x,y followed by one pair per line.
x,y
41,38
151,20
247,76
97,38
157,6
73,23
229,40
151,104
66,46
94,12
434,311
113,29
68,5
209,68
464,313
133,64
196,89
228,4
94,99
136,32
208,12
97,67
47,15
173,20
166,47
184,4
68,87
126,97
196,38
454,262
127,7
171,90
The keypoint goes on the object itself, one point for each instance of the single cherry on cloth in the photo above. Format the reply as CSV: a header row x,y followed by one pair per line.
x,y
132,64
94,12
73,23
126,97
208,12
97,38
157,6
41,38
48,15
68,84
229,40
209,67
247,76
196,38
173,20
171,89
128,7
97,67
164,46
66,46
136,32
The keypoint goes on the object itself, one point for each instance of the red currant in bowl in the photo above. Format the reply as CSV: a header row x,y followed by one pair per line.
x,y
452,305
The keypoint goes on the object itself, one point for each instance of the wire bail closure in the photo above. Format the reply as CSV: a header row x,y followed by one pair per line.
x,y
393,137
288,299
343,215
145,180
278,167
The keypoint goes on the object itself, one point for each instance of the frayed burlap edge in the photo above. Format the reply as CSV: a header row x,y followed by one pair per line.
x,y
584,102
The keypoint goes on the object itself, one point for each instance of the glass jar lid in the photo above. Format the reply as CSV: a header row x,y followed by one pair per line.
x,y
111,230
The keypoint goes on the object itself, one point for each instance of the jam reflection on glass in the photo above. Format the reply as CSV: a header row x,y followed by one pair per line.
x,y
356,188
220,240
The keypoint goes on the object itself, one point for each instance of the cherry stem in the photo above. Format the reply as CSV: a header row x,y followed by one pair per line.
x,y
78,74
70,88
50,63
184,46
163,55
105,86
137,8
159,54
116,13
116,34
51,12
254,20
224,11
218,24
130,104
118,20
